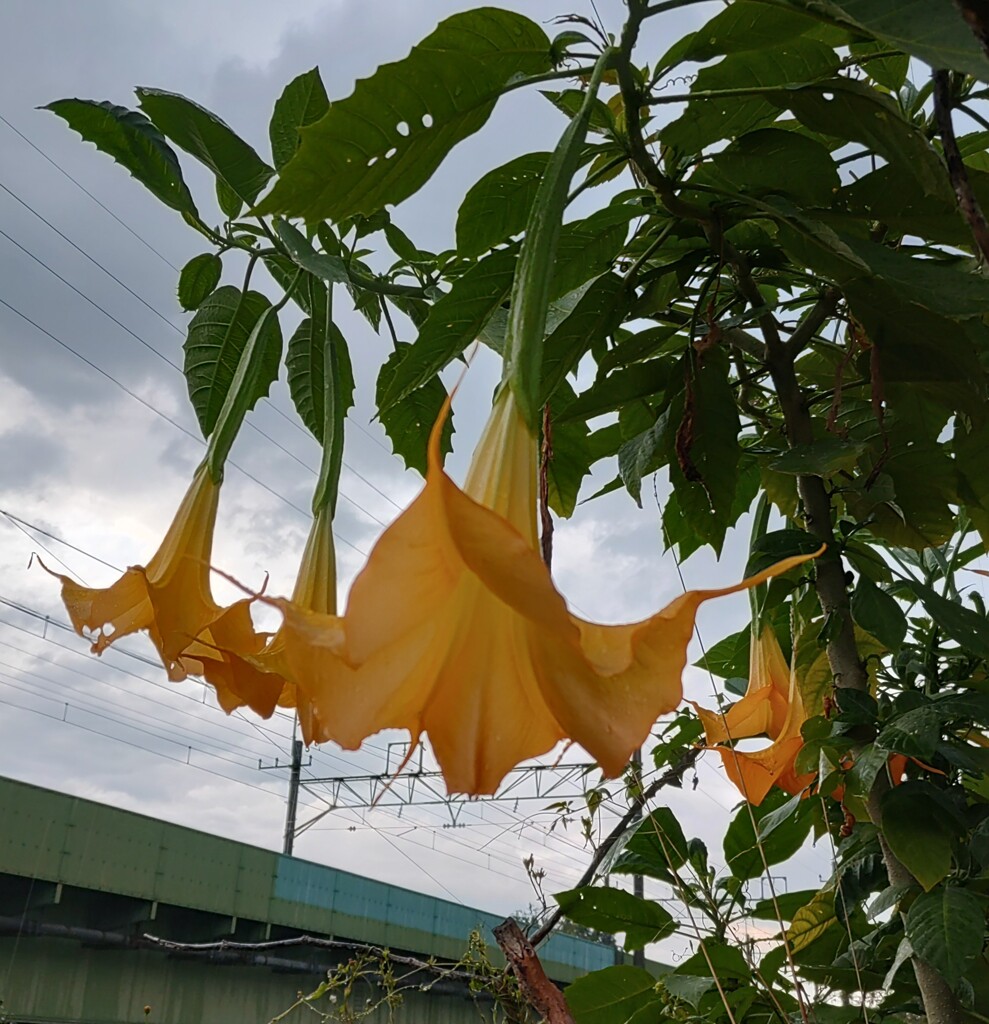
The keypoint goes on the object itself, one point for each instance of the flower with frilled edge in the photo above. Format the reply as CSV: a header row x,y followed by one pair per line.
x,y
455,629
170,597
770,707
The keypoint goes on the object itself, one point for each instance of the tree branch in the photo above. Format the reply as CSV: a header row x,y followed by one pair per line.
x,y
957,172
538,990
672,777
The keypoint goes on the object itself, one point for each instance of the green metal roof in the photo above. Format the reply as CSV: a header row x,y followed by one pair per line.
x,y
80,843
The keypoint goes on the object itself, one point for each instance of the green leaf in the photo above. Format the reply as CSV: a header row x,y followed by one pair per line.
x,y
787,904
305,363
728,658
773,160
747,25
610,996
331,269
134,142
381,144
932,30
688,987
810,922
946,928
657,846
303,101
878,613
622,388
198,278
644,454
918,831
497,206
741,848
822,458
588,247
218,334
614,910
855,111
704,462
707,120
203,135
229,202
409,420
963,625
596,315
454,321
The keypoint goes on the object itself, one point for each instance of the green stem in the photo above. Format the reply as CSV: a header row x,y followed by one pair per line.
x,y
760,524
243,390
328,483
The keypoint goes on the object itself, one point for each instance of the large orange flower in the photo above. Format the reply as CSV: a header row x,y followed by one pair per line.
x,y
771,707
454,629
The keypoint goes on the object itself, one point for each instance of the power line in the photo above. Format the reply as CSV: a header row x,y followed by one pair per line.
x,y
61,170
167,418
16,520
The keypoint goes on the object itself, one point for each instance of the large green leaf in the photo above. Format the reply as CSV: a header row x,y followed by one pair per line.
x,y
217,336
644,454
964,625
741,847
409,420
134,142
707,120
382,143
572,455
946,928
918,831
932,30
622,388
198,278
498,205
611,996
614,910
878,613
657,847
203,135
305,363
303,101
454,321
704,448
747,25
811,921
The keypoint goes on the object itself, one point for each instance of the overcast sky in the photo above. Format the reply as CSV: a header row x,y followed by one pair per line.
x,y
86,461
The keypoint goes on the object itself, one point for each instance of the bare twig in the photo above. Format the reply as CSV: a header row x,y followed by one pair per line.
x,y
957,172
538,990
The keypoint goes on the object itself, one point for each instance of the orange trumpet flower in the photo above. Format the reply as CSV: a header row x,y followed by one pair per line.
x,y
771,707
455,629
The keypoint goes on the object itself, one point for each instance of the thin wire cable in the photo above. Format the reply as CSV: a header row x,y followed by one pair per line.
x,y
61,170
178,426
48,551
58,540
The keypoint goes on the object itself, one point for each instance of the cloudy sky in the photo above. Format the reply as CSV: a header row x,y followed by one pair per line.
x,y
89,455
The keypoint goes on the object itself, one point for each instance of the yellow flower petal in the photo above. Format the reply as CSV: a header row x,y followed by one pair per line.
x,y
454,628
170,597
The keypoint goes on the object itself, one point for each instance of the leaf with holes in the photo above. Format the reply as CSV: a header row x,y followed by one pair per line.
x,y
134,142
747,25
198,278
614,910
303,102
707,120
203,135
382,143
409,420
946,928
498,205
217,336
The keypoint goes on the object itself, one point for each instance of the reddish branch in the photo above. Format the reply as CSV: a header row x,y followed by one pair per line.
x,y
545,517
538,990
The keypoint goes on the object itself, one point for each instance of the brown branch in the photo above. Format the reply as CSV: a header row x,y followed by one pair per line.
x,y
957,172
538,990
671,777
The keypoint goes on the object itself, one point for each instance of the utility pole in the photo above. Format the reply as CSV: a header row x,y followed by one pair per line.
x,y
638,882
293,797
